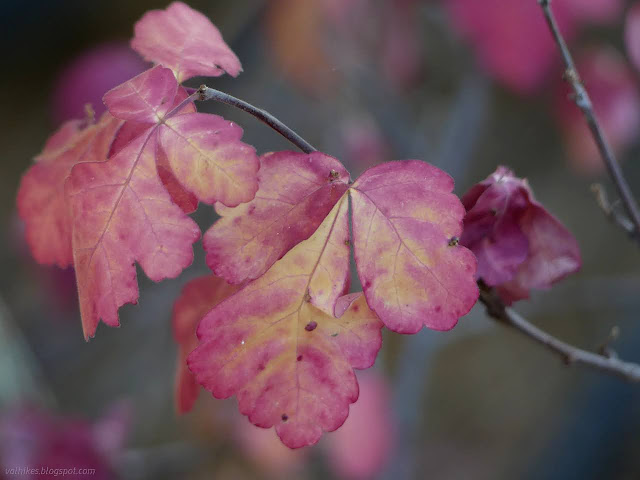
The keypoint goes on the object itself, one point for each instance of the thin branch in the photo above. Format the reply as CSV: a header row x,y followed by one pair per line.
x,y
570,354
611,213
583,101
207,93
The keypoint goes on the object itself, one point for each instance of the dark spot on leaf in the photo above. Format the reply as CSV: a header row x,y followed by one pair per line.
x,y
260,367
347,242
438,309
334,334
307,296
285,417
311,326
356,308
299,358
494,211
333,175
454,241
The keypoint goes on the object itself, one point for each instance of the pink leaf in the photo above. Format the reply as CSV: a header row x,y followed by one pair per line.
x,y
519,245
131,130
41,199
198,297
123,214
296,193
146,98
289,362
185,41
208,158
413,274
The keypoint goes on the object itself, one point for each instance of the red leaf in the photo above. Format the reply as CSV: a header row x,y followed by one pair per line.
x,y
145,98
131,130
123,214
208,158
258,344
185,41
296,193
519,245
404,217
198,297
41,199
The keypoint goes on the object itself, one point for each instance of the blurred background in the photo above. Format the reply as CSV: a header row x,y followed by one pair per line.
x,y
464,84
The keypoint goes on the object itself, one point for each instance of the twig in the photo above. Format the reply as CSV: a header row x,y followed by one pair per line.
x,y
207,93
611,213
583,101
570,354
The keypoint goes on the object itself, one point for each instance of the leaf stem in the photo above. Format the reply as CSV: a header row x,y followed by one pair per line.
x,y
206,93
583,101
570,354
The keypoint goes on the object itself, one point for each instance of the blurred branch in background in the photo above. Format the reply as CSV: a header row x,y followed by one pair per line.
x,y
583,101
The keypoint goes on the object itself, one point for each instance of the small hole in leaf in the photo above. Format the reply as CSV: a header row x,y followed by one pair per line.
x,y
454,241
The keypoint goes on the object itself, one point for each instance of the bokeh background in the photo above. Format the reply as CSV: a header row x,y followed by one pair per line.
x,y
464,84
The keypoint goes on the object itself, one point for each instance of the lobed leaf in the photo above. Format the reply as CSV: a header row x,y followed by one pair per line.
x,y
296,193
201,156
277,346
405,225
131,130
146,98
41,199
122,214
184,40
198,297
208,158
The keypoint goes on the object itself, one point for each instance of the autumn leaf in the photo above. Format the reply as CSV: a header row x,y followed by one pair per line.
x,y
405,225
296,193
198,297
186,41
122,214
518,243
146,98
208,158
278,347
41,199
186,200
202,151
